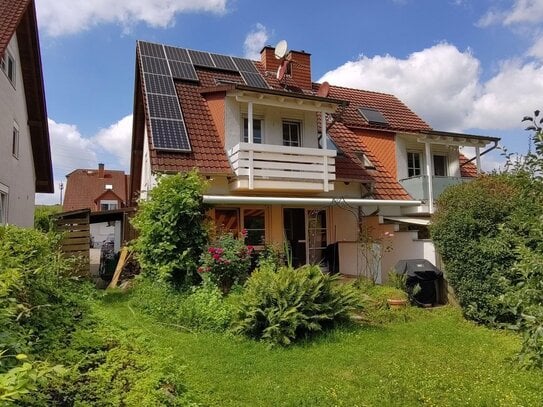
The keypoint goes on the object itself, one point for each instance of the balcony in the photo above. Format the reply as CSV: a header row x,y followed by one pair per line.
x,y
263,167
417,187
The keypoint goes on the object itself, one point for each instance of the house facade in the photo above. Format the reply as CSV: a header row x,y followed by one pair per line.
x,y
100,190
297,164
25,156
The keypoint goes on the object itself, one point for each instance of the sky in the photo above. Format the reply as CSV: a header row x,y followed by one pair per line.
x,y
466,66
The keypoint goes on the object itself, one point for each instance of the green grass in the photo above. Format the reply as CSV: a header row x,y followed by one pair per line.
x,y
435,358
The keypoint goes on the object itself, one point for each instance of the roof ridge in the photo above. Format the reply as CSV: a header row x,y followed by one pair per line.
x,y
360,90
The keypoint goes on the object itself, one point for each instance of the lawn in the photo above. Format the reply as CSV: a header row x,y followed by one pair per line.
x,y
433,358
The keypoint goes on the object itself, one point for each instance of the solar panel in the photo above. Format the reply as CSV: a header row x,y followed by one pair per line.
x,y
164,107
254,79
224,62
245,65
155,65
159,84
201,58
177,54
152,50
373,116
169,135
183,70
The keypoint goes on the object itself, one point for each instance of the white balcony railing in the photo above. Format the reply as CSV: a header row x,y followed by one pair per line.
x,y
272,162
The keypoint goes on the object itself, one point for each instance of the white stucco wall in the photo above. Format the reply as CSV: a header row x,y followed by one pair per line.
x,y
16,173
148,179
273,123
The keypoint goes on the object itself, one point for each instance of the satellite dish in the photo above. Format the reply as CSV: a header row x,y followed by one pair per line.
x,y
324,89
281,49
281,70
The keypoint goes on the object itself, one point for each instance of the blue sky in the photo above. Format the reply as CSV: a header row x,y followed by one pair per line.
x,y
471,66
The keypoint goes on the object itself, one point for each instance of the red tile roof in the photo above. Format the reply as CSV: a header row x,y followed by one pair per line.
x,y
11,13
468,170
398,115
84,187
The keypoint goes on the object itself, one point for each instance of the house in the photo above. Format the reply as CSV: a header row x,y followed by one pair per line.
x,y
98,190
25,155
295,162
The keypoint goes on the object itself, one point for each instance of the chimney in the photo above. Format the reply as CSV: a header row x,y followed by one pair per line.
x,y
300,68
100,170
268,60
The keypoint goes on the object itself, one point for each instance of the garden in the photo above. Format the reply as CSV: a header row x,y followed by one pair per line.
x,y
209,322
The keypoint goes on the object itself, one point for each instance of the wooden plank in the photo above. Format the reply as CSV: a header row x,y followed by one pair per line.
x,y
77,233
74,240
119,268
72,221
75,247
79,228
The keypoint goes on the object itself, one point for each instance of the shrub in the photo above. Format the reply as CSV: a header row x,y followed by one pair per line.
x,y
467,230
200,308
272,257
43,217
40,307
280,307
226,262
171,229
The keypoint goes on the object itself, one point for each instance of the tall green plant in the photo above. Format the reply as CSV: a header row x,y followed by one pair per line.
x,y
172,233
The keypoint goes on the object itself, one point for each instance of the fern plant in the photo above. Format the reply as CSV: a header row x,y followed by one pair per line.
x,y
280,307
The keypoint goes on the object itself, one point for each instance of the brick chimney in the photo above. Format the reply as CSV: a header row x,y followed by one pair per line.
x,y
300,68
268,60
101,170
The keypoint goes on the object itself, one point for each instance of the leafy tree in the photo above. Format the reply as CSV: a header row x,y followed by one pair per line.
x,y
171,226
43,216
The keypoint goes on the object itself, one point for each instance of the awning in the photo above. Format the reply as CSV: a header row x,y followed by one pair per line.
x,y
276,200
410,220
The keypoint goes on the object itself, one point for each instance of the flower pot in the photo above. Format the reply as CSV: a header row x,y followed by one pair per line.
x,y
394,303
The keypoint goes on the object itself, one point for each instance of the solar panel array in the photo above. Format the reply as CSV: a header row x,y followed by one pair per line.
x,y
162,64
168,130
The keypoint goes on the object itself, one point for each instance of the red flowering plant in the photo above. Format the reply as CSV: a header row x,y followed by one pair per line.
x,y
226,262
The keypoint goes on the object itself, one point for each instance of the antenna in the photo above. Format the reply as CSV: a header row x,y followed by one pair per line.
x,y
281,49
282,70
324,89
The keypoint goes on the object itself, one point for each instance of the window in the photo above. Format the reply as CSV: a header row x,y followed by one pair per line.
x,y
3,204
226,221
8,66
254,222
440,165
15,141
108,205
413,164
291,134
257,130
316,232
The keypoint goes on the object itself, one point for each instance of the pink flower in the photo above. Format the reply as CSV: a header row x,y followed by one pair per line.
x,y
211,250
200,269
244,232
216,256
250,248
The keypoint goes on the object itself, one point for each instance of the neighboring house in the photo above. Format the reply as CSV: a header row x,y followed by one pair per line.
x,y
291,161
98,190
25,155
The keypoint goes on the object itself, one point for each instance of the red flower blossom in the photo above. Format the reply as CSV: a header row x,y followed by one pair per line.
x,y
216,256
244,232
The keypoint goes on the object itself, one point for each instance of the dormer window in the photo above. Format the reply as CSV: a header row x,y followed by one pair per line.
x,y
366,162
257,130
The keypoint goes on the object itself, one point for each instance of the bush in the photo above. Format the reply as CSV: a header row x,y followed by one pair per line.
x,y
43,217
40,307
467,231
172,234
226,262
200,308
281,307
272,257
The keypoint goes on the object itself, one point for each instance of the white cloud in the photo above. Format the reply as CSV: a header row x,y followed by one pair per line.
x,y
438,83
117,140
61,17
521,12
255,41
536,49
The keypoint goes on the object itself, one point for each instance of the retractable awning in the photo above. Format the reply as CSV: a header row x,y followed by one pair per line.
x,y
276,200
410,220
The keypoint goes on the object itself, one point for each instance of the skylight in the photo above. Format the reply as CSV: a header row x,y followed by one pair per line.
x,y
373,116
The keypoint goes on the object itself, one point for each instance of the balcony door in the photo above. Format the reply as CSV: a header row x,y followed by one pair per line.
x,y
306,234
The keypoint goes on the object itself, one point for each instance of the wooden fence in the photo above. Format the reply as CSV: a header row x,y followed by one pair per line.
x,y
76,237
